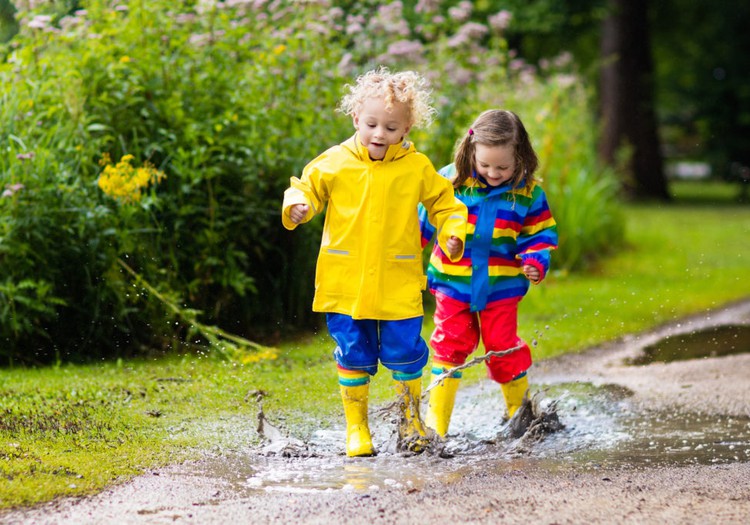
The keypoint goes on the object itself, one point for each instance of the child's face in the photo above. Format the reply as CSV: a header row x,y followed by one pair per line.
x,y
495,163
379,128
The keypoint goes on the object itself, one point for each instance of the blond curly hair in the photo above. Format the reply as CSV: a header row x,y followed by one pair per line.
x,y
407,87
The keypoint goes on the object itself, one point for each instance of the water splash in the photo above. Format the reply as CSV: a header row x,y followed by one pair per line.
x,y
563,426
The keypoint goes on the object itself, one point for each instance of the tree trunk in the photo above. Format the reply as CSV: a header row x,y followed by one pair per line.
x,y
627,101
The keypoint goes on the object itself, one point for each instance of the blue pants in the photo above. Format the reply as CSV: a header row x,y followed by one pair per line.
x,y
364,342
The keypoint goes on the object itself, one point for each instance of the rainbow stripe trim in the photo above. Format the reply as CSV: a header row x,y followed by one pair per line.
x,y
352,377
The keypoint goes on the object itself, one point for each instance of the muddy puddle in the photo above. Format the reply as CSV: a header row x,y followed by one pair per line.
x,y
601,429
715,341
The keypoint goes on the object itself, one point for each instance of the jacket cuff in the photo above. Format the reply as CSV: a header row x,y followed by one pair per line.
x,y
453,227
536,264
293,196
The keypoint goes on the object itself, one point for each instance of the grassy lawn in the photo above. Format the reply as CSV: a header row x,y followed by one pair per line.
x,y
679,259
75,429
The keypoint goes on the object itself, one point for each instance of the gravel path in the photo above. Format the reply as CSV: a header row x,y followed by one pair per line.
x,y
519,490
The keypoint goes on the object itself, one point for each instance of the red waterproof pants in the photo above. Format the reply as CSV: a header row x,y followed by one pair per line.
x,y
457,332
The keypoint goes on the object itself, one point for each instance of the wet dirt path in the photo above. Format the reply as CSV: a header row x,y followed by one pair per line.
x,y
666,442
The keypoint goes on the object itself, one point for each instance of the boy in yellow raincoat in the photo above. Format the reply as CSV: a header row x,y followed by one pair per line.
x,y
369,277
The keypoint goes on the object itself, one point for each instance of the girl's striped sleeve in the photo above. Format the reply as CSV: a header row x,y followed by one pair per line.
x,y
538,236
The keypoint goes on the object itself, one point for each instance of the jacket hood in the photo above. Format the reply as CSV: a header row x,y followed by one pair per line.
x,y
394,151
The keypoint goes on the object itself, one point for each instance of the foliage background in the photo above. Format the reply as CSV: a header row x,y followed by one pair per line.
x,y
228,100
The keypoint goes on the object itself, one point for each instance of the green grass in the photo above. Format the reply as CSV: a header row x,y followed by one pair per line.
x,y
679,259
72,430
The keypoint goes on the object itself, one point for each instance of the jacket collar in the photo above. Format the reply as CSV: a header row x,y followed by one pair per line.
x,y
394,151
477,181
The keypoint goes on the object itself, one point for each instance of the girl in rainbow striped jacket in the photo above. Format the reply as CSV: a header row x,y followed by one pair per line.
x,y
509,237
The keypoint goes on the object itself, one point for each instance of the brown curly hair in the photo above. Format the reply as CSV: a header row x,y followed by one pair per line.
x,y
496,127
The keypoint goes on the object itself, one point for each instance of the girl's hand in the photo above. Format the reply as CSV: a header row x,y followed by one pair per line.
x,y
531,272
454,245
298,212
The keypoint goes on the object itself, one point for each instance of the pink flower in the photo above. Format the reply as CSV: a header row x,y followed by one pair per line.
x,y
427,6
461,12
406,48
346,64
474,30
334,13
354,28
462,76
40,22
517,64
25,156
466,33
199,40
566,80
67,22
458,40
185,18
564,59
12,189
501,20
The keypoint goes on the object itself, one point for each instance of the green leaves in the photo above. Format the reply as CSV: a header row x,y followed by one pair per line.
x,y
23,305
228,102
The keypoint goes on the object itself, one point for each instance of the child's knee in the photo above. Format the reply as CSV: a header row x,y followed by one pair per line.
x,y
506,368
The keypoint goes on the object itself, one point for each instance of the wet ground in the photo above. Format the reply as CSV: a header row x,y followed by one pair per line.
x,y
645,436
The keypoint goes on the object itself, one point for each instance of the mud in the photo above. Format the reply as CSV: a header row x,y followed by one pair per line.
x,y
608,441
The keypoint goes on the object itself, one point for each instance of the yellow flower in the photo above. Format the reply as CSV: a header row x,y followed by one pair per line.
x,y
124,59
265,355
279,49
123,182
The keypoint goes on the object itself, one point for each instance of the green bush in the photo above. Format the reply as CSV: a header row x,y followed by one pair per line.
x,y
227,100
583,194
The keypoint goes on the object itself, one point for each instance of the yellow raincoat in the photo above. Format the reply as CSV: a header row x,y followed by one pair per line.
x,y
370,260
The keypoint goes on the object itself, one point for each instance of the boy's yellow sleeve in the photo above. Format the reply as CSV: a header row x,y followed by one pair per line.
x,y
305,190
446,212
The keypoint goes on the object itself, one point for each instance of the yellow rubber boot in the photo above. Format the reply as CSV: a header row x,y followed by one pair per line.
x,y
442,399
358,439
410,430
514,393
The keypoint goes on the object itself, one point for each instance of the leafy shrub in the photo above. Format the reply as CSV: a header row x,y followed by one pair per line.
x,y
221,102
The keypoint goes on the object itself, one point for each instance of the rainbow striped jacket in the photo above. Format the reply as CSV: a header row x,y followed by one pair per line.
x,y
506,230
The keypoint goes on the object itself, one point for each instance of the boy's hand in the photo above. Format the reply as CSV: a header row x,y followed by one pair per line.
x,y
298,212
531,273
454,245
